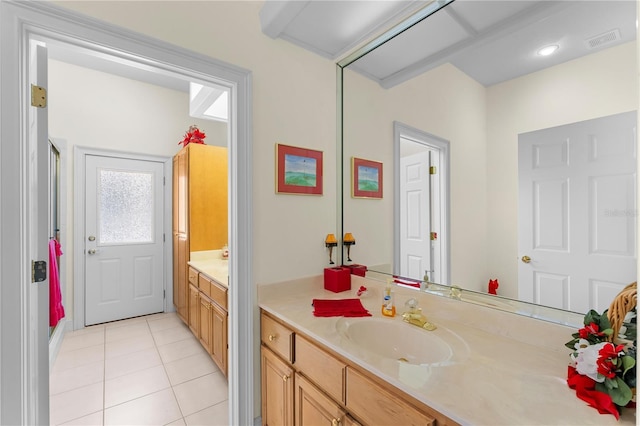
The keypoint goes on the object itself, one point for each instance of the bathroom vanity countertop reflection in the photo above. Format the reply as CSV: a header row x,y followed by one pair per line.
x,y
211,263
506,369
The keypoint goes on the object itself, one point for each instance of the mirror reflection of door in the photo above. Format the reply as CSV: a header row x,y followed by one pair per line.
x,y
577,212
415,208
422,193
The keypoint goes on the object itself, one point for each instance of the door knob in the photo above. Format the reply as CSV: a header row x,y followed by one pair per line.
x,y
92,238
92,251
526,259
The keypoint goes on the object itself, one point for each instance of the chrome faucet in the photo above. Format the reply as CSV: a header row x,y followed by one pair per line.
x,y
415,316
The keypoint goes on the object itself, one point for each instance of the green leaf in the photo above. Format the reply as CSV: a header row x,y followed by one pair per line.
x,y
604,321
610,384
620,395
591,316
627,363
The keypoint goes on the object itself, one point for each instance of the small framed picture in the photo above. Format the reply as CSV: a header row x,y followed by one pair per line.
x,y
298,170
366,178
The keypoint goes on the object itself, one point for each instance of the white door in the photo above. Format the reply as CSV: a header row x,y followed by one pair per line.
x,y
38,230
415,216
577,199
123,238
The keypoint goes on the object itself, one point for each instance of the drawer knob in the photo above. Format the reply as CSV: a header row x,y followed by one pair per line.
x,y
335,422
285,377
272,337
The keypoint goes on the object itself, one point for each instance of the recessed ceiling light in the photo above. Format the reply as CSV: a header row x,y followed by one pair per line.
x,y
548,50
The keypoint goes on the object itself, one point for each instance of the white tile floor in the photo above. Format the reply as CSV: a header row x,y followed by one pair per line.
x,y
142,371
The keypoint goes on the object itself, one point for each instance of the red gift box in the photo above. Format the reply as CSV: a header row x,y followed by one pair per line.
x,y
337,279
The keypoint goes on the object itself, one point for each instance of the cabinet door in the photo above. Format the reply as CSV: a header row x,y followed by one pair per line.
x,y
277,390
205,322
194,310
219,337
180,278
313,407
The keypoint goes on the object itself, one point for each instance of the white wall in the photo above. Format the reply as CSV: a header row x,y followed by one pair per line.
x,y
446,103
598,85
294,102
92,109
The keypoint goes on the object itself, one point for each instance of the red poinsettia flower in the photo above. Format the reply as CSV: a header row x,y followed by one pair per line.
x,y
607,368
592,328
194,135
611,351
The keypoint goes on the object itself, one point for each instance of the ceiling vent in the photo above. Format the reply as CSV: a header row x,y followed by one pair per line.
x,y
603,39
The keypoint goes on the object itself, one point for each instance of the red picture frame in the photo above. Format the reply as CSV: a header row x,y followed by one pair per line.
x,y
298,170
366,178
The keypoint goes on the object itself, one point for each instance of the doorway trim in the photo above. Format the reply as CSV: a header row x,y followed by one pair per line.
x,y
79,200
20,397
433,142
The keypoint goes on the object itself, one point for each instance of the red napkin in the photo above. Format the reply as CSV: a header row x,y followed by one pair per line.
x,y
409,283
339,308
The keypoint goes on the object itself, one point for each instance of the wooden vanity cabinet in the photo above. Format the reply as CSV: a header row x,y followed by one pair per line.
x,y
276,390
305,384
314,407
373,404
200,219
205,323
219,338
208,316
194,311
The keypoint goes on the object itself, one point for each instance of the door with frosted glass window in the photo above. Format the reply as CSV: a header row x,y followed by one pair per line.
x,y
124,239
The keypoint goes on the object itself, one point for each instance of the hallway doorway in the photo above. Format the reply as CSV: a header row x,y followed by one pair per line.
x,y
23,22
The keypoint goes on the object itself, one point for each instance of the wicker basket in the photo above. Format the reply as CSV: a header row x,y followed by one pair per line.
x,y
624,302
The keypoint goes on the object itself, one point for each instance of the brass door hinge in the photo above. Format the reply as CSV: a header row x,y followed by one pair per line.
x,y
432,170
38,96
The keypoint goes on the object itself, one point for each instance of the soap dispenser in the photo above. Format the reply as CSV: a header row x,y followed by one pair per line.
x,y
388,307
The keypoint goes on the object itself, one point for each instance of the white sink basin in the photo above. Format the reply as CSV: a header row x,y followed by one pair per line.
x,y
395,340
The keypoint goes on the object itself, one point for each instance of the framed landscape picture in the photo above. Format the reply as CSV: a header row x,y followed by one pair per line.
x,y
298,170
366,178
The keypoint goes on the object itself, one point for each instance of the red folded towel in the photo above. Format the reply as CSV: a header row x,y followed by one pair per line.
x,y
338,308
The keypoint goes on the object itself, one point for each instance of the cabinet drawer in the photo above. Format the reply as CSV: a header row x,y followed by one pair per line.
x,y
324,370
218,294
277,337
193,276
374,405
204,284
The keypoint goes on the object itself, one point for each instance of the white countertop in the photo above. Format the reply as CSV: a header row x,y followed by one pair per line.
x,y
211,263
506,369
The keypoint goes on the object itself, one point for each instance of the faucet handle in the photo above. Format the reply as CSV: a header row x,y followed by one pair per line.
x,y
411,304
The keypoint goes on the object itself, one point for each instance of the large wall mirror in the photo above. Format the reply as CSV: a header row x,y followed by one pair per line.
x,y
526,157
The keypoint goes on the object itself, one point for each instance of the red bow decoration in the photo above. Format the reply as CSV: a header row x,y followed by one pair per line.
x,y
194,135
585,390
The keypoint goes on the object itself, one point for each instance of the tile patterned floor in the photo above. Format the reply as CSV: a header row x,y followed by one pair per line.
x,y
142,371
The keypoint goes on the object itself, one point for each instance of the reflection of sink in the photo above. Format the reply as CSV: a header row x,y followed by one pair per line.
x,y
395,340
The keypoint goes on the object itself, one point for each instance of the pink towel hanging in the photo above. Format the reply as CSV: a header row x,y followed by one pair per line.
x,y
56,310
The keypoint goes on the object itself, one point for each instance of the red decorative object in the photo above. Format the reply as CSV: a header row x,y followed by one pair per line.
x,y
194,135
356,269
493,286
337,279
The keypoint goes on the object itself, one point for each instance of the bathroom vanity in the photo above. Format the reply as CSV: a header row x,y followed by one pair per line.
x,y
207,304
480,366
